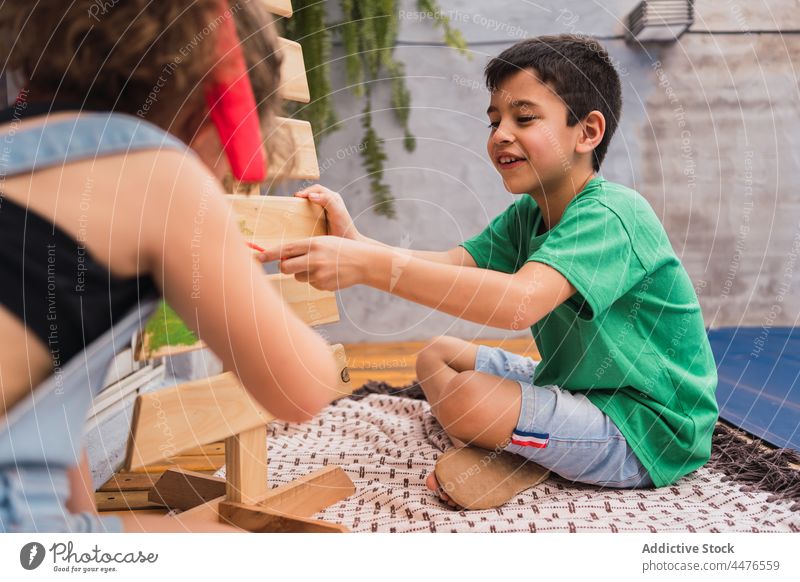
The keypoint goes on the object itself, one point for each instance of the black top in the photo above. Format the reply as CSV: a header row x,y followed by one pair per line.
x,y
51,282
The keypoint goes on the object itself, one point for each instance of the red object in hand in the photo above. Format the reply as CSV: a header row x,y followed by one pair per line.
x,y
255,247
232,106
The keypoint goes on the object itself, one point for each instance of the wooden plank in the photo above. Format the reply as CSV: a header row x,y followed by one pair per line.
x,y
310,494
279,7
410,349
345,386
118,390
206,450
195,413
208,463
129,482
182,489
295,155
246,465
120,500
206,511
313,306
303,497
273,220
293,84
258,519
155,511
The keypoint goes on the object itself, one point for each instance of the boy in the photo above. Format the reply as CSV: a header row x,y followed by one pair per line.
x,y
624,393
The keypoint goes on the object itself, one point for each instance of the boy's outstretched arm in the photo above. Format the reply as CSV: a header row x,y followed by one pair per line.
x,y
341,224
508,301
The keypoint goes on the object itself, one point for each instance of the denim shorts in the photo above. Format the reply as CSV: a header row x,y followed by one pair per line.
x,y
563,431
32,500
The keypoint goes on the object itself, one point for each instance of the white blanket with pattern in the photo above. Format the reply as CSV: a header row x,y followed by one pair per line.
x,y
388,445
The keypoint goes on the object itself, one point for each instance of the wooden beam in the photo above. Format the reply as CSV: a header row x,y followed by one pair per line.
x,y
246,465
270,220
259,519
170,421
279,7
119,500
129,482
182,489
311,305
293,84
345,385
294,156
310,494
190,462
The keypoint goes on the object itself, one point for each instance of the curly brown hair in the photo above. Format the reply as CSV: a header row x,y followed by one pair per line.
x,y
141,57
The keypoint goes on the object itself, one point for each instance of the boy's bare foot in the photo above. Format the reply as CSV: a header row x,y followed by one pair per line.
x,y
475,478
433,485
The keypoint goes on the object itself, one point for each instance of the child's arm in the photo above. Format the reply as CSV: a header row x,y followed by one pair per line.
x,y
341,224
508,301
200,261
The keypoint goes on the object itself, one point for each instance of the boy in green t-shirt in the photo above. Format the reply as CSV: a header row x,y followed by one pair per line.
x,y
624,393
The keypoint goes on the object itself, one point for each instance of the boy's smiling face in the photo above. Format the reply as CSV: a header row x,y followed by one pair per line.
x,y
530,143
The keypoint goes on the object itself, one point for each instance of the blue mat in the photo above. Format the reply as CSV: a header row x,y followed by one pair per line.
x,y
759,381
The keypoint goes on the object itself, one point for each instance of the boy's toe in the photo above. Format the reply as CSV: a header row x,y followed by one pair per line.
x,y
433,485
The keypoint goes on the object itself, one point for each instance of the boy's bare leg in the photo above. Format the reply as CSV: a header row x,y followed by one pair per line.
x,y
439,362
473,407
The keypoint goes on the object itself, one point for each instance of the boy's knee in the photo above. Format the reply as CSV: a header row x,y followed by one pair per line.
x,y
460,407
434,352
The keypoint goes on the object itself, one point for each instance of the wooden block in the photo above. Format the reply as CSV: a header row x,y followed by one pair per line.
x,y
182,489
302,498
246,465
345,386
310,494
279,7
311,305
293,84
207,450
154,511
273,220
170,421
209,463
295,155
259,519
206,511
129,482
121,500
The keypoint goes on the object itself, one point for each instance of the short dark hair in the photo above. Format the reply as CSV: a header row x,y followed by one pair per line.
x,y
578,69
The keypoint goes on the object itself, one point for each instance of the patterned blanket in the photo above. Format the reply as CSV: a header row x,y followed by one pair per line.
x,y
388,445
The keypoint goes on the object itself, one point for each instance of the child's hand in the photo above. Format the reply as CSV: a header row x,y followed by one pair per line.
x,y
339,221
326,262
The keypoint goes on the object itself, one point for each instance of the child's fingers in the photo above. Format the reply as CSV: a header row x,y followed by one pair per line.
x,y
295,265
286,251
313,188
320,195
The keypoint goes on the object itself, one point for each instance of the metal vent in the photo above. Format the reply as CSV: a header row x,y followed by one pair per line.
x,y
659,20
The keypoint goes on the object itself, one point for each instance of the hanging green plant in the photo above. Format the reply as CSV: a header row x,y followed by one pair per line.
x,y
368,34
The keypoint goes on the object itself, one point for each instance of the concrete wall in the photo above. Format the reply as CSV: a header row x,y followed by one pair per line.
x,y
736,95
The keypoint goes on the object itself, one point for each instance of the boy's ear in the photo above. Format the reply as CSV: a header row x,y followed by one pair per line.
x,y
593,128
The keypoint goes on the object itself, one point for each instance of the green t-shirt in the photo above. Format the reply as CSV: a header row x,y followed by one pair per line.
x,y
632,337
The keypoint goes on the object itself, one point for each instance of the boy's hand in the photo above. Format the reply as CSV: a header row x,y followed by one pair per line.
x,y
339,221
326,262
